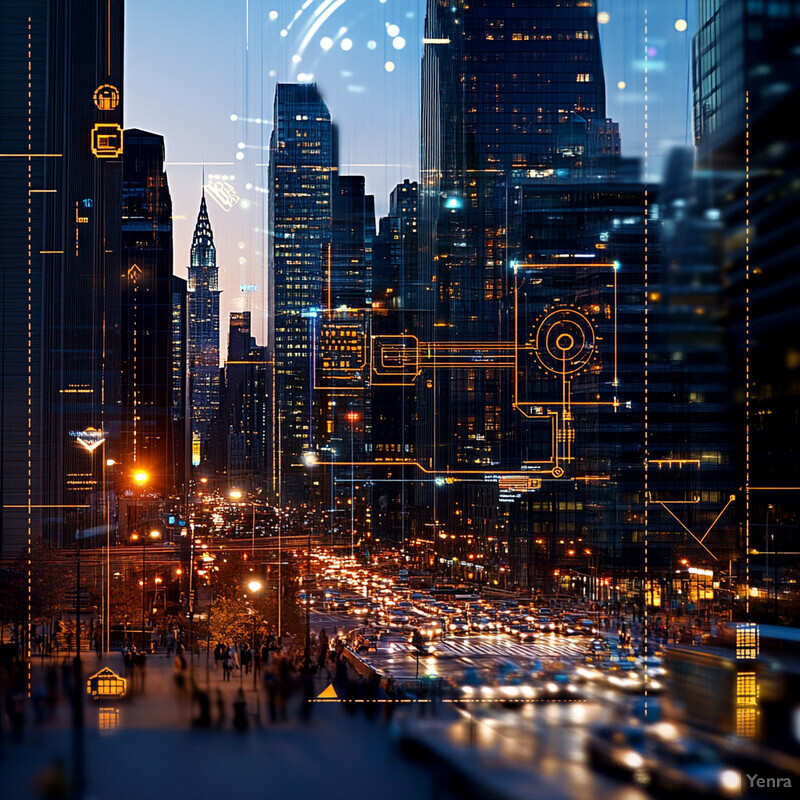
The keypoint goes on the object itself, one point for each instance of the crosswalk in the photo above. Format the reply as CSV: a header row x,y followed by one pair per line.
x,y
546,647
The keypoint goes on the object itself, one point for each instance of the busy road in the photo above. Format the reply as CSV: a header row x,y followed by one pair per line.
x,y
555,685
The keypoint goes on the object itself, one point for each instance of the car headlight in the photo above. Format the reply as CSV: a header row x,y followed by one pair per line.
x,y
632,760
730,781
552,687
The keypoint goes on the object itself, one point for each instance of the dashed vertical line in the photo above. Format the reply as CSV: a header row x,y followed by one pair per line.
x,y
645,616
30,356
747,346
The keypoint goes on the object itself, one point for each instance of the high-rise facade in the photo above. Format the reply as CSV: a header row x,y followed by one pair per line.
x,y
394,307
746,83
61,142
509,97
146,412
203,341
244,407
301,175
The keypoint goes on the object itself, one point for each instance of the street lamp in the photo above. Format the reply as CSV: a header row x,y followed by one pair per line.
x,y
255,587
352,418
770,538
153,535
236,496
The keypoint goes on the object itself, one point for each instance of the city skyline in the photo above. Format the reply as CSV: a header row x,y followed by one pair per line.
x,y
233,71
499,454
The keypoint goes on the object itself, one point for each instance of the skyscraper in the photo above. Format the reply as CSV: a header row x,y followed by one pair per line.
x,y
509,94
746,83
394,310
61,140
244,406
203,349
301,171
146,414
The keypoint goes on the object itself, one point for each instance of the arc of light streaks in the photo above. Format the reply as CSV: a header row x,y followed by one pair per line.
x,y
298,14
322,14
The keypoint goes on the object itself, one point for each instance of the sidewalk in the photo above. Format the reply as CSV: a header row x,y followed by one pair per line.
x,y
153,752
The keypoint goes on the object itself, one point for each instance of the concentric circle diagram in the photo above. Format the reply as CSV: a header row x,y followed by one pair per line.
x,y
564,341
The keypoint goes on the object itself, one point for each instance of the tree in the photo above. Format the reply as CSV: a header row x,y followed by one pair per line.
x,y
126,601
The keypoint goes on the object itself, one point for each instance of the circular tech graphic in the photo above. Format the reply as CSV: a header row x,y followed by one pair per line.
x,y
564,341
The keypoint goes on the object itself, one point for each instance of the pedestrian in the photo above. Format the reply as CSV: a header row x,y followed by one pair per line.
x,y
39,697
323,649
178,670
53,783
225,657
220,703
271,689
203,718
240,712
15,709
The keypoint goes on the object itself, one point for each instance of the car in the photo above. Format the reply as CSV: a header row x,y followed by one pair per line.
x,y
558,686
339,604
431,629
525,633
546,624
652,664
569,626
458,626
360,607
625,676
588,627
620,750
397,619
367,644
692,769
482,625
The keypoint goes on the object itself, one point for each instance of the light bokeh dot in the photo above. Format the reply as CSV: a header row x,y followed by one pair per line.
x,y
621,84
240,156
234,117
371,44
398,42
389,66
296,58
284,33
681,25
393,30
603,17
273,15
346,44
326,42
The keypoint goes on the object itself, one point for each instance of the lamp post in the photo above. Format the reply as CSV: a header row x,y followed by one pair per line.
x,y
153,535
771,541
255,587
310,460
352,418
236,496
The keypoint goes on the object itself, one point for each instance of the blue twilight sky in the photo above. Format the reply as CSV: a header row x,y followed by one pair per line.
x,y
202,73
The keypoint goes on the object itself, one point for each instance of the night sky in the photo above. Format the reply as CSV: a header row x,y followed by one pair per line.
x,y
202,73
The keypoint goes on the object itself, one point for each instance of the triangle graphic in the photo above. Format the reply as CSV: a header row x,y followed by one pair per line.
x,y
329,693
